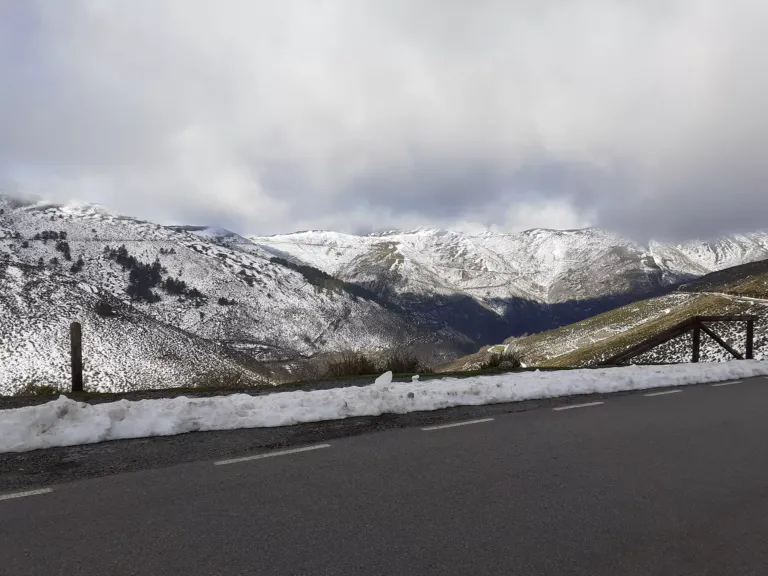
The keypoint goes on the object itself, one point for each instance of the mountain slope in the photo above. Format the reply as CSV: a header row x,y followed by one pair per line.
x,y
540,265
747,280
547,266
286,299
208,288
275,312
123,349
738,290
513,284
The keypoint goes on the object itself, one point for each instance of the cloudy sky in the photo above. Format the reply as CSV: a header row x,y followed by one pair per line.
x,y
647,117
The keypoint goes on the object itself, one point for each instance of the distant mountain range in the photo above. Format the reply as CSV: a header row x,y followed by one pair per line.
x,y
217,302
491,286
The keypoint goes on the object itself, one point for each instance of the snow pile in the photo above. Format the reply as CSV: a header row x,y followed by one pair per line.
x,y
65,422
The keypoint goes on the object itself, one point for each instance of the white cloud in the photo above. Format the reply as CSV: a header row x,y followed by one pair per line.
x,y
270,114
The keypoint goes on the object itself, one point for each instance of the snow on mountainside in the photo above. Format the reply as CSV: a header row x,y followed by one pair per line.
x,y
737,290
243,300
123,349
491,286
598,338
727,252
547,266
249,303
699,257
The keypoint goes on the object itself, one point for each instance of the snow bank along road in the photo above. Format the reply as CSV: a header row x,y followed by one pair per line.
x,y
65,422
659,482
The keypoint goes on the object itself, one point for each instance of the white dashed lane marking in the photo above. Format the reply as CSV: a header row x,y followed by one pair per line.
x,y
429,428
573,406
271,454
662,393
726,384
24,494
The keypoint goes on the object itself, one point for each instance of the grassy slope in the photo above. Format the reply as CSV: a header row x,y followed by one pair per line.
x,y
754,287
601,336
697,305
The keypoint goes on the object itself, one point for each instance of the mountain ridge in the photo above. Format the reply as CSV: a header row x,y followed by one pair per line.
x,y
551,251
289,298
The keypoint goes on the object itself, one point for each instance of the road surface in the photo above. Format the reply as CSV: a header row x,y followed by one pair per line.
x,y
657,484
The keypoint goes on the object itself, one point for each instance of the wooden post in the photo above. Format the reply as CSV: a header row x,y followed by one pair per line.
x,y
696,342
750,339
76,341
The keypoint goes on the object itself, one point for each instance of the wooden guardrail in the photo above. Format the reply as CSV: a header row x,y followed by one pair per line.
x,y
697,325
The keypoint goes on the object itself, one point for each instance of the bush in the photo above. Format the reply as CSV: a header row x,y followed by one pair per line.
x,y
226,302
350,364
142,277
178,287
32,389
402,362
175,286
77,266
141,280
46,235
195,293
105,309
507,360
63,247
228,380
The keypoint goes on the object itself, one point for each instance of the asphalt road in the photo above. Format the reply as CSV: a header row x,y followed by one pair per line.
x,y
672,484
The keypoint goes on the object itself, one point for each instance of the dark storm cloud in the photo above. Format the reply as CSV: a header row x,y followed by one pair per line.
x,y
643,116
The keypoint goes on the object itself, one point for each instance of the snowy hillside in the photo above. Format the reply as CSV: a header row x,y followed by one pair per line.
x,y
546,266
508,284
123,350
288,298
205,287
727,252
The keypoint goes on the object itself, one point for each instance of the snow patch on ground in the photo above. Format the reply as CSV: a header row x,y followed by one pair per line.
x,y
65,422
15,272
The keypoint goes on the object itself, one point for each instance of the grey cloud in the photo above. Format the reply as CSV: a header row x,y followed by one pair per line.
x,y
645,117
475,189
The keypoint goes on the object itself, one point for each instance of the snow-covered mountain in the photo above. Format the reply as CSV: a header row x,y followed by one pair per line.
x,y
547,266
58,262
283,298
529,281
